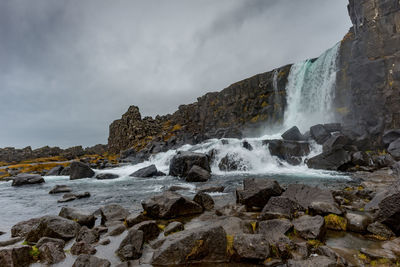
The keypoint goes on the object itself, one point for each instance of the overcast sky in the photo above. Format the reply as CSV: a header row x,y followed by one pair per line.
x,y
68,68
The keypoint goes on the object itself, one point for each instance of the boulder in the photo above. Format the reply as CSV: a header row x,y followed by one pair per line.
x,y
60,189
293,134
173,227
82,247
394,149
149,228
79,170
333,127
309,227
113,212
216,188
53,226
280,207
51,252
25,179
146,172
66,171
318,200
290,151
79,216
44,240
131,247
247,145
232,162
390,136
205,244
274,229
56,171
106,176
361,158
170,205
380,229
15,256
357,222
90,261
204,200
21,229
251,247
334,160
88,236
257,192
183,161
70,197
116,229
197,174
319,134
136,218
335,141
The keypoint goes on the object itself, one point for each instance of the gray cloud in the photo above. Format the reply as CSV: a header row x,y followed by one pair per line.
x,y
69,68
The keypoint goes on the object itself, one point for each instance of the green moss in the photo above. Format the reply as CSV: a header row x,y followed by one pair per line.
x,y
229,245
335,222
314,243
34,253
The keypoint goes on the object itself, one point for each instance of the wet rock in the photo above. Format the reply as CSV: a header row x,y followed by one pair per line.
x,y
274,229
113,212
310,227
90,261
333,127
106,176
204,200
280,207
293,134
319,200
390,136
316,261
11,241
80,216
82,247
79,170
146,172
334,160
70,197
376,253
174,188
53,226
206,244
56,171
60,189
394,149
26,179
211,189
232,162
2,233
251,247
247,145
170,205
21,229
197,174
330,253
335,141
44,240
87,235
131,247
136,218
51,252
116,229
319,134
257,192
183,161
149,228
66,171
15,256
173,227
380,229
290,151
357,222
361,158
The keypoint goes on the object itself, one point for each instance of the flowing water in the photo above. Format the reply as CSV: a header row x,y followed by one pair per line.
x,y
310,91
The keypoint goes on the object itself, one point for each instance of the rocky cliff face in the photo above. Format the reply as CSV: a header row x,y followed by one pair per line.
x,y
247,104
368,83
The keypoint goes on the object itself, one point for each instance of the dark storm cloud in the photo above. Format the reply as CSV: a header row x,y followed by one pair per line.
x,y
68,68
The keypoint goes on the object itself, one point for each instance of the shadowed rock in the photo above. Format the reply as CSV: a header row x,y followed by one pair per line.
x,y
15,256
205,200
257,192
106,176
310,227
60,189
183,161
293,134
80,216
319,134
26,179
146,172
23,228
197,174
79,170
131,247
113,212
90,261
173,227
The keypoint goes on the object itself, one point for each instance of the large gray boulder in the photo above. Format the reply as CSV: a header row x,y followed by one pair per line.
x,y
280,207
113,212
55,171
170,205
131,247
204,200
80,216
390,136
293,134
334,160
251,247
206,244
274,229
79,170
183,161
309,227
394,149
257,192
21,229
52,251
335,141
26,179
149,228
290,151
15,256
197,174
319,134
232,162
146,172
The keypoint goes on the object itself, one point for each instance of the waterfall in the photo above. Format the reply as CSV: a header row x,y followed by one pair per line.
x,y
310,91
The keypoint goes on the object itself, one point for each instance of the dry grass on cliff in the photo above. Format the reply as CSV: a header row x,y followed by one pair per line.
x,y
37,167
42,160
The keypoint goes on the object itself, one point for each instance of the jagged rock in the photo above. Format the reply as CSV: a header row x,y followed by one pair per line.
x,y
382,161
234,225
316,261
15,256
113,212
79,170
60,189
56,171
106,176
170,205
335,159
149,228
310,227
280,207
80,216
290,151
394,149
211,189
320,201
257,192
247,145
204,200
66,171
251,247
232,162
90,261
335,141
293,134
206,244
390,136
26,179
51,252
44,240
173,227
319,134
361,158
274,229
136,218
88,236
146,172
197,174
21,229
131,247
183,161
380,229
53,226
116,229
82,247
357,222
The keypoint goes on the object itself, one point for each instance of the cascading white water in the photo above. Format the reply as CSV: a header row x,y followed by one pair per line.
x,y
310,91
